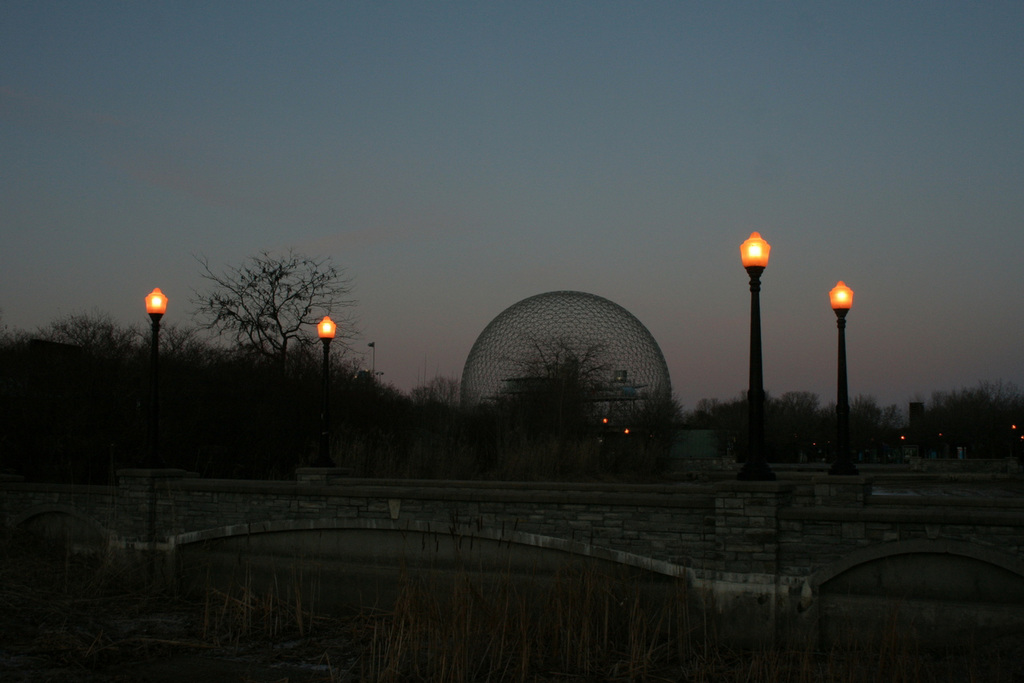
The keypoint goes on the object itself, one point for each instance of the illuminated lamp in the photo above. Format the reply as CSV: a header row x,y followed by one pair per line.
x,y
841,298
326,329
754,254
156,306
156,303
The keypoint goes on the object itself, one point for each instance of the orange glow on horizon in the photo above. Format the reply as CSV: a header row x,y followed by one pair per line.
x,y
156,302
326,328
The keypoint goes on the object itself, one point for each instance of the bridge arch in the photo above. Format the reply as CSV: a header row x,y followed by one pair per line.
x,y
63,523
408,539
943,555
942,590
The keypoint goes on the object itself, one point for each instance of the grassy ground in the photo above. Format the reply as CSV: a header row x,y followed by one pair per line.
x,y
75,618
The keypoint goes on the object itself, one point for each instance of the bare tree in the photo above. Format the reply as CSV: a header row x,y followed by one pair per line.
x,y
95,332
558,385
440,390
269,301
566,360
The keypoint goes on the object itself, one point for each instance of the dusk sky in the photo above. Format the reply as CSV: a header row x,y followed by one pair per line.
x,y
458,157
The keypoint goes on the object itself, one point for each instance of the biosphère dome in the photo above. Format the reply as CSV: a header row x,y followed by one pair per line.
x,y
621,354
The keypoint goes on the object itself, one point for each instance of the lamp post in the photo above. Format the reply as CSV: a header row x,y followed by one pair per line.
x,y
156,306
841,298
373,362
326,329
754,253
1015,442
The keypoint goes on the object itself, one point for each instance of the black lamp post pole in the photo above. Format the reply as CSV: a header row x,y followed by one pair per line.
x,y
154,459
324,459
756,467
843,463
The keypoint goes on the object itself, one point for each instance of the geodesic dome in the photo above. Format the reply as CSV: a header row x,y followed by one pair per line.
x,y
505,357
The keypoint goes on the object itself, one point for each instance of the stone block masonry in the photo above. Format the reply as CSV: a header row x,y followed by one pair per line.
x,y
770,559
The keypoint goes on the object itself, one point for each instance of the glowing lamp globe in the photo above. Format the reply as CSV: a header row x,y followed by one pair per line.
x,y
156,302
326,328
754,251
841,297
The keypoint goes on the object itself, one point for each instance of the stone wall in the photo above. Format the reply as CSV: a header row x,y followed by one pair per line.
x,y
670,523
770,559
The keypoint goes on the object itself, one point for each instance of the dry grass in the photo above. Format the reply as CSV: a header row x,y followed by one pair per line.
x,y
243,613
76,618
588,626
76,613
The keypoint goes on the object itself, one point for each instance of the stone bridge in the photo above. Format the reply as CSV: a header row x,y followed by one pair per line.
x,y
809,556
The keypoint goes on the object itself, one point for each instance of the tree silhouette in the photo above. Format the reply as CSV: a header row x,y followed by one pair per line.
x,y
557,387
270,301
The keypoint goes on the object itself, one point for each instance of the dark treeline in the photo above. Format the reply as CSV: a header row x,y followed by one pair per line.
x,y
800,429
979,422
74,407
